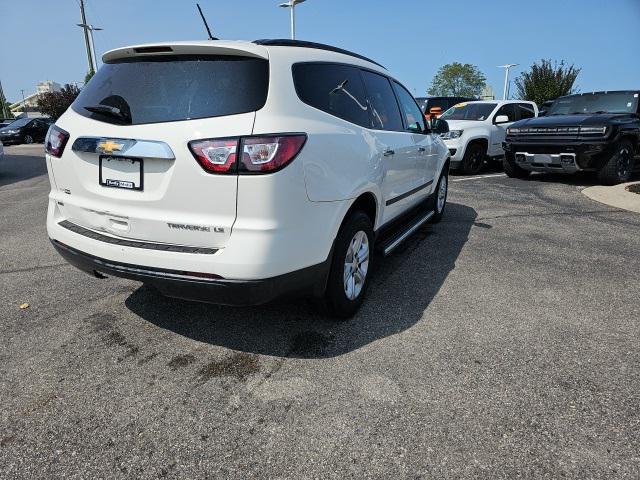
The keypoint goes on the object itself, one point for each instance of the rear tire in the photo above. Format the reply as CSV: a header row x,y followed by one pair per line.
x,y
350,267
512,170
438,200
620,166
473,159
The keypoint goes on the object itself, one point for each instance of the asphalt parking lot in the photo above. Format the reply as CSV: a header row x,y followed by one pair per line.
x,y
501,343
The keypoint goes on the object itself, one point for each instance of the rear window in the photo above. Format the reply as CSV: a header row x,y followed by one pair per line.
x,y
172,88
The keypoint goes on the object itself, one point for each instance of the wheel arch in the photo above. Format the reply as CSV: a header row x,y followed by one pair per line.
x,y
484,141
367,202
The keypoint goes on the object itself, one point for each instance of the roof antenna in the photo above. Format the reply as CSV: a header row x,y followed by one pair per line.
x,y
211,37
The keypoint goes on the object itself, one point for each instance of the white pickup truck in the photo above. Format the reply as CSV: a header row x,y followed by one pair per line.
x,y
477,130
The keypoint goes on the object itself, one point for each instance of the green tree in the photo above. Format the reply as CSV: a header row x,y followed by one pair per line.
x,y
546,80
89,76
4,107
54,104
457,80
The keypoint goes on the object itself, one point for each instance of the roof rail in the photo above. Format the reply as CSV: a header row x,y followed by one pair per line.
x,y
281,42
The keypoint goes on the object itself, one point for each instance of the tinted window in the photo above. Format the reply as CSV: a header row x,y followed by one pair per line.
x,y
335,89
384,107
21,122
469,111
589,103
509,110
524,110
443,103
171,88
414,119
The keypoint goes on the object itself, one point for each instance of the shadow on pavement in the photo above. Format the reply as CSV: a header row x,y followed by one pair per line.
x,y
23,166
402,287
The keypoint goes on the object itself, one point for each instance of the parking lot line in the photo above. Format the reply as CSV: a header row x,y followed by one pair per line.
x,y
478,177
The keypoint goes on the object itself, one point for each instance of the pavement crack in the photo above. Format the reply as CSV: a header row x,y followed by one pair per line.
x,y
551,214
31,269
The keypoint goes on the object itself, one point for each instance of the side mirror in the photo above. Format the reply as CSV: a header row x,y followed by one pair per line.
x,y
501,119
542,113
439,126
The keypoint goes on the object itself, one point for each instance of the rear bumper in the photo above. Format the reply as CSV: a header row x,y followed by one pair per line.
x,y
179,284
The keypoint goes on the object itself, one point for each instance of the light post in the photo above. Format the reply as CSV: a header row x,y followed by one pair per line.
x,y
291,4
506,78
24,103
90,28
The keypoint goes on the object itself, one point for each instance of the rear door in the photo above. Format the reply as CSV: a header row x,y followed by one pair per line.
x,y
128,169
422,150
394,144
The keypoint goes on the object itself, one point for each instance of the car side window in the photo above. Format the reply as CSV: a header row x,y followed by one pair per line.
x,y
335,89
508,110
414,120
524,110
385,113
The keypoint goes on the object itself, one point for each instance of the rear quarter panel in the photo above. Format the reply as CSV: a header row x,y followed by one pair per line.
x,y
340,160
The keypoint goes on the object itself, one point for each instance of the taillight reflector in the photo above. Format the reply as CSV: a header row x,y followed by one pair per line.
x,y
55,141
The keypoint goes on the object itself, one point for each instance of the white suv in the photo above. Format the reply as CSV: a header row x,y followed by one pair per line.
x,y
477,130
237,172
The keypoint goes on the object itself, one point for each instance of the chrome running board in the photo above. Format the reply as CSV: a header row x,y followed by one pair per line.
x,y
395,241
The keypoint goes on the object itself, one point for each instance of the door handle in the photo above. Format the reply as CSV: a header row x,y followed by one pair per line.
x,y
388,152
422,149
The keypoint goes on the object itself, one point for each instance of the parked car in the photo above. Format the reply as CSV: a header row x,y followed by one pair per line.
x,y
245,171
427,104
598,132
477,130
25,130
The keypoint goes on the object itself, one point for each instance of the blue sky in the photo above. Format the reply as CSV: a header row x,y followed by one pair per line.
x,y
412,38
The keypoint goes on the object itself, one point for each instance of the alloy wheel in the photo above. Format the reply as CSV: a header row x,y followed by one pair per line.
x,y
442,194
624,163
356,265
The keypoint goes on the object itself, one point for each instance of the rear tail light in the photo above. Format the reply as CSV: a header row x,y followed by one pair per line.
x,y
269,154
264,154
216,156
55,141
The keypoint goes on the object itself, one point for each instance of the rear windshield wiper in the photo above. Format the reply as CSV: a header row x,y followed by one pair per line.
x,y
108,111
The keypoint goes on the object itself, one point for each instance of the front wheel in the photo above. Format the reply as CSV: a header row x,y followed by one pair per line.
x,y
350,266
512,170
619,167
473,160
28,139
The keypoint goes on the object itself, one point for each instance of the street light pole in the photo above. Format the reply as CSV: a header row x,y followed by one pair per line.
x,y
91,29
24,104
506,78
86,38
291,4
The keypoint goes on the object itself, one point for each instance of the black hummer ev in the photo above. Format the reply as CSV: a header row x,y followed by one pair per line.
x,y
597,131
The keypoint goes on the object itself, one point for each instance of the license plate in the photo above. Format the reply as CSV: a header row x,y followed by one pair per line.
x,y
121,172
542,158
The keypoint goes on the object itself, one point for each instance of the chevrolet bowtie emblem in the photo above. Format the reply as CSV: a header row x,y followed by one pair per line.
x,y
109,146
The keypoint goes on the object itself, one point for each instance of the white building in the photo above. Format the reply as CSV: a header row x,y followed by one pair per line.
x,y
29,106
487,93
